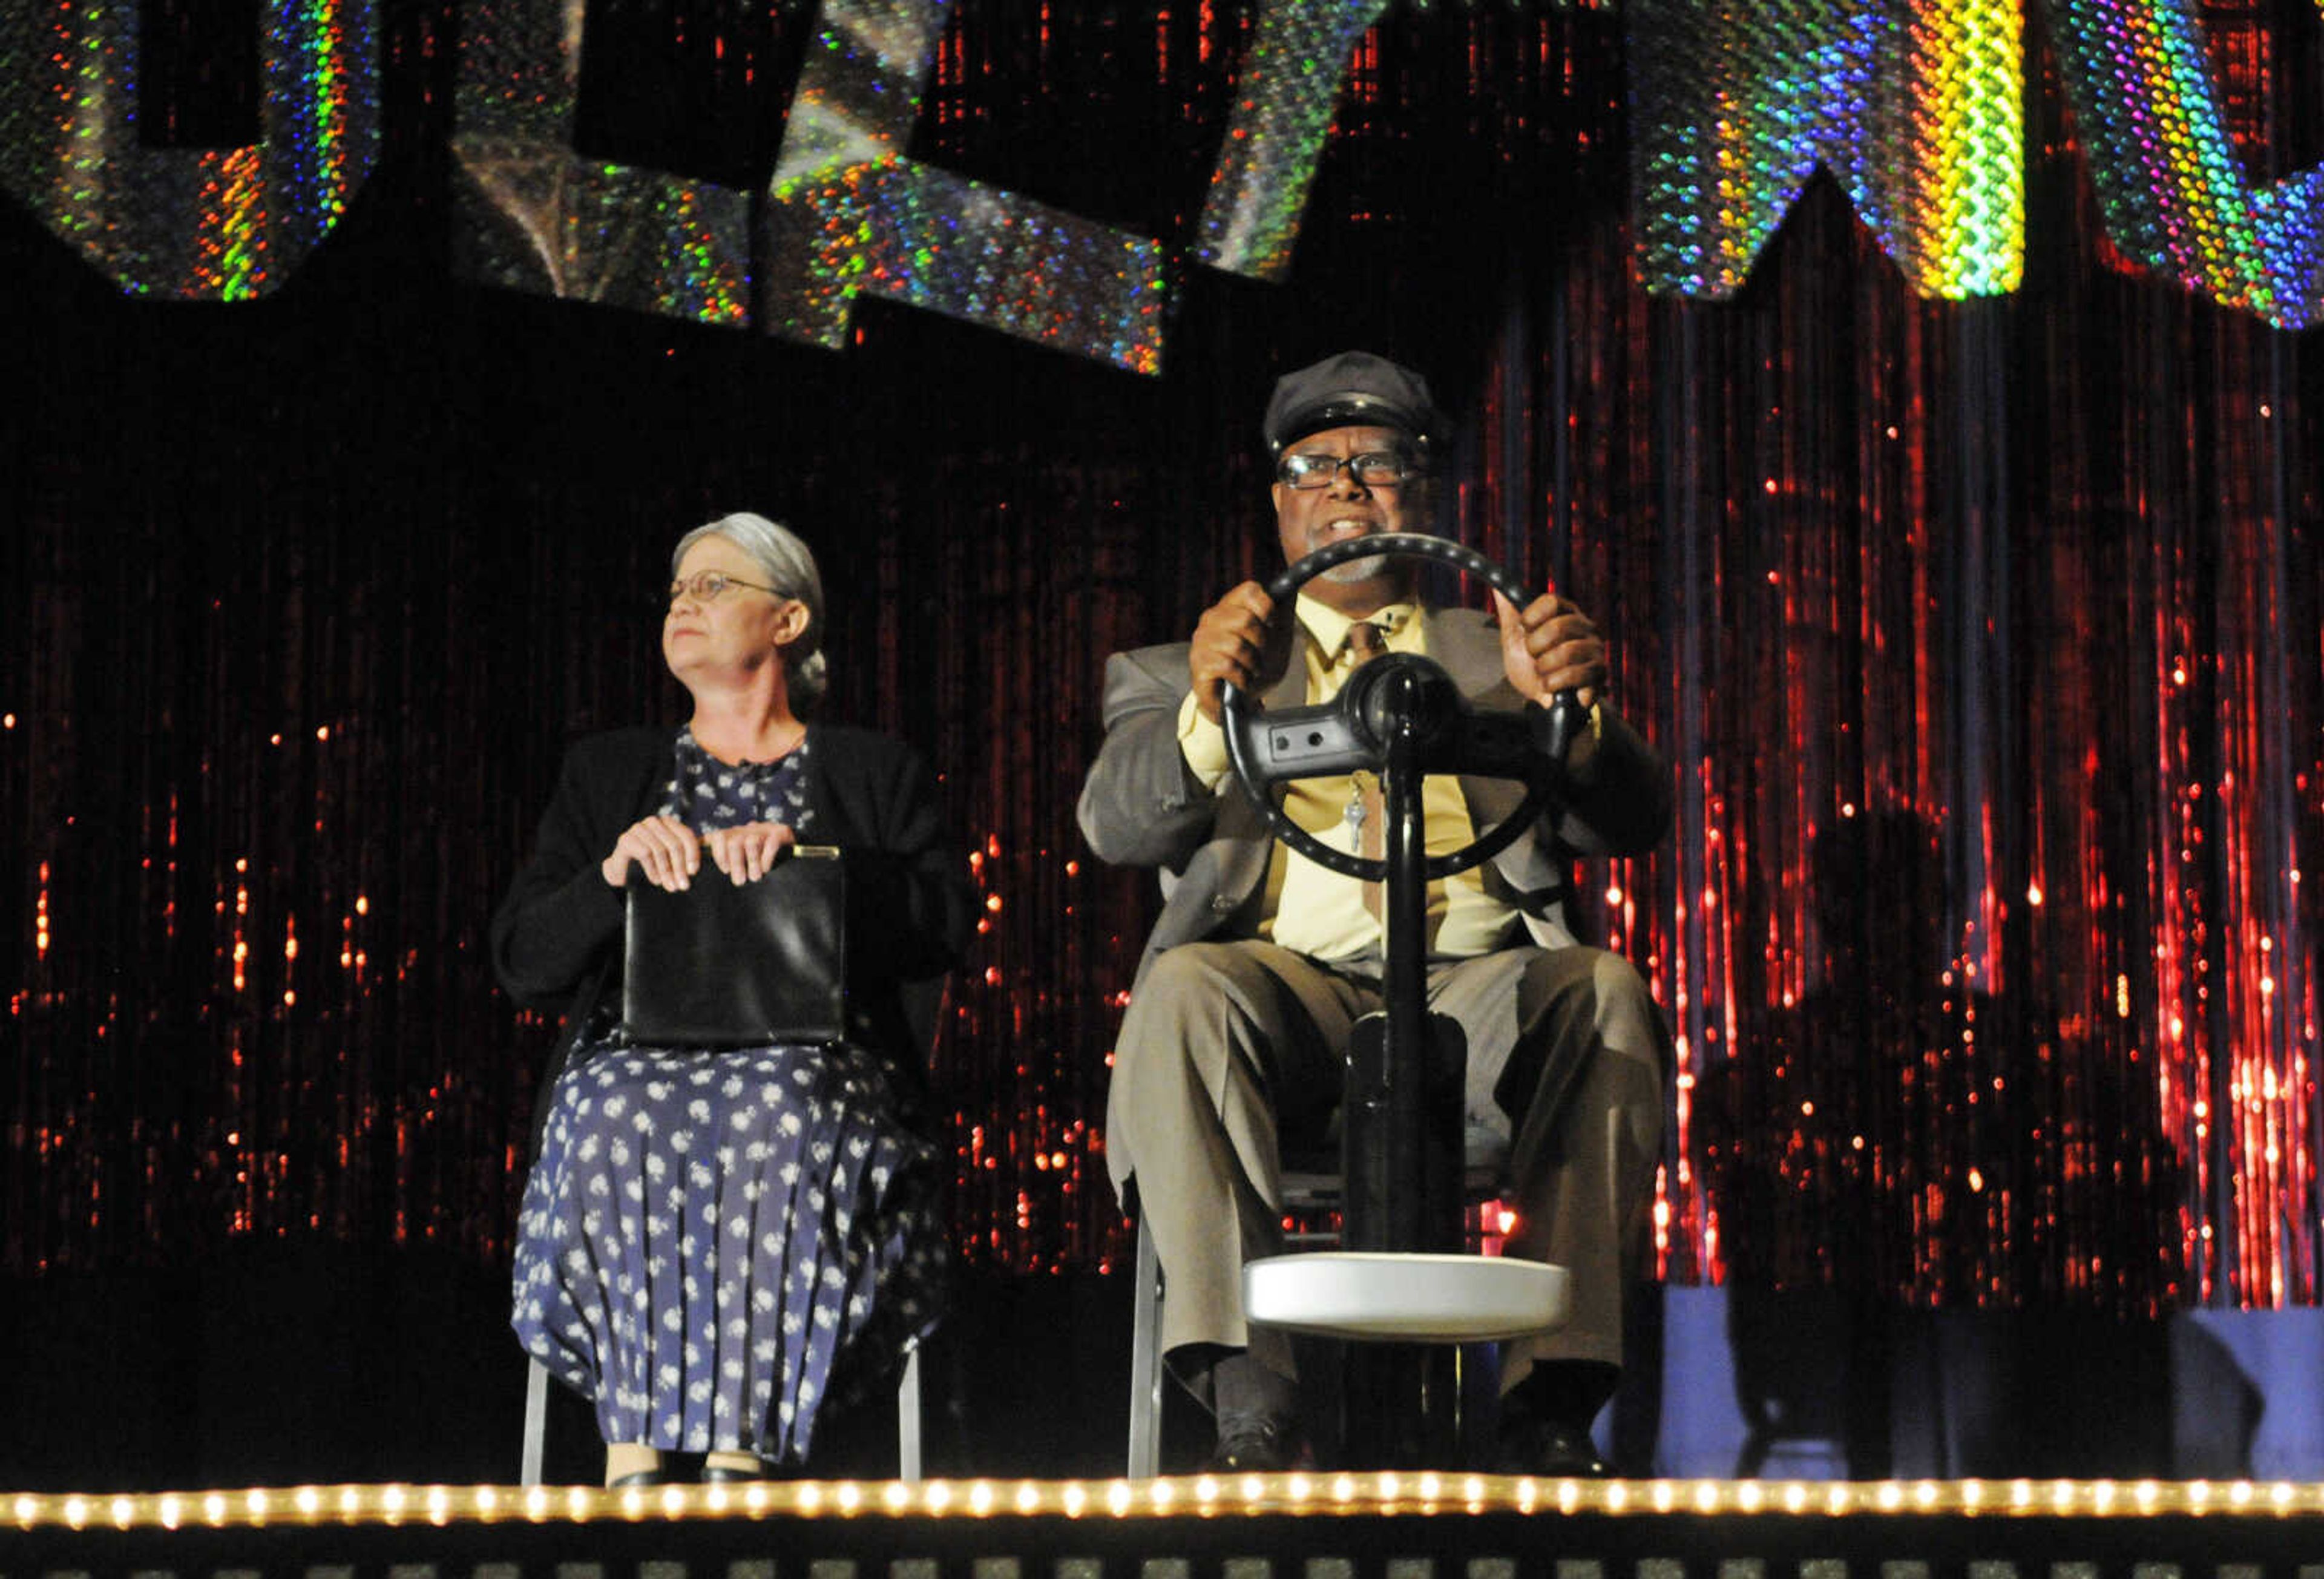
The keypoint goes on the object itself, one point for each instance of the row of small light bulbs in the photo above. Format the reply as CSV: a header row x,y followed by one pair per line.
x,y
1206,1495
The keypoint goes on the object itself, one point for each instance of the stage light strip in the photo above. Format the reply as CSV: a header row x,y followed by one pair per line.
x,y
1380,1494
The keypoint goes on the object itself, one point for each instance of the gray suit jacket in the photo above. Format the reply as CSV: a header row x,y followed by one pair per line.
x,y
1141,807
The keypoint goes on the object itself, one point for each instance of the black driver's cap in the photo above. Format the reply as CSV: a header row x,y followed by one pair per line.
x,y
1352,388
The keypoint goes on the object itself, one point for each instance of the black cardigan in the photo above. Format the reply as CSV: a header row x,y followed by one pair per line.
x,y
556,938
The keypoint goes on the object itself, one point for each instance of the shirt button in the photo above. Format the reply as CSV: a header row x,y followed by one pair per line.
x,y
1222,903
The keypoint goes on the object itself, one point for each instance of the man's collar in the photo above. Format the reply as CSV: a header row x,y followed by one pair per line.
x,y
1329,626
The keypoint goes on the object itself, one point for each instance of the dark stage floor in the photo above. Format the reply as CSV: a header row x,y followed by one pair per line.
x,y
282,1362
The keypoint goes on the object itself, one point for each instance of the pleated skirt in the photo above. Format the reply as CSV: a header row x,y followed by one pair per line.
x,y
710,1241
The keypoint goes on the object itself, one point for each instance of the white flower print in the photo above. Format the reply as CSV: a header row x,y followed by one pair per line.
x,y
791,1151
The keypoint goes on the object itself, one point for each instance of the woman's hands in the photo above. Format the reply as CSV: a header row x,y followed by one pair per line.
x,y
670,854
662,847
746,853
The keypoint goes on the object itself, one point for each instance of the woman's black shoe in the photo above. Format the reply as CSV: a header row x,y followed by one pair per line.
x,y
638,1477
723,1474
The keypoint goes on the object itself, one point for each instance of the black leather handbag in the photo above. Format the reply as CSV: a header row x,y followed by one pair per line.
x,y
721,964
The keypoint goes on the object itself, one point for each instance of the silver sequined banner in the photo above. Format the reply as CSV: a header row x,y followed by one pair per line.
x,y
196,224
1298,59
535,216
2170,182
852,214
1913,105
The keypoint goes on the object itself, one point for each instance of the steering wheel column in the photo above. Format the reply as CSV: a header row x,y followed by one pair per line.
x,y
1400,1112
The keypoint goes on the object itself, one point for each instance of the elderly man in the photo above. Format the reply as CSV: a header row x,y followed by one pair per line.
x,y
1262,961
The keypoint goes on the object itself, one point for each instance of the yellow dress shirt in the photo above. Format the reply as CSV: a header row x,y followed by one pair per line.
x,y
1315,911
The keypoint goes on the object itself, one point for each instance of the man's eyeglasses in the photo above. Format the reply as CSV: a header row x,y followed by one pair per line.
x,y
1375,468
709,585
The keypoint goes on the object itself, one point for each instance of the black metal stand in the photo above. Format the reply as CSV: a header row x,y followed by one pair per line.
x,y
1401,1130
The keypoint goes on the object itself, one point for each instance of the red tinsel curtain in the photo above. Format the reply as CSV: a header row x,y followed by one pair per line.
x,y
1982,637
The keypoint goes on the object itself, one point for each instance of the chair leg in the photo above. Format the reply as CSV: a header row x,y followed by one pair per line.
x,y
1146,1360
536,1423
908,1418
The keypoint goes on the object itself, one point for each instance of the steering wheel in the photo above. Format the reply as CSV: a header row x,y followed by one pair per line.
x,y
1353,730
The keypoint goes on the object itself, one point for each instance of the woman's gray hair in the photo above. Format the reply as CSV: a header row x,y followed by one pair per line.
x,y
788,566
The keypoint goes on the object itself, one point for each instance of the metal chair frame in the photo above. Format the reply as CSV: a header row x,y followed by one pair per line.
x,y
907,1420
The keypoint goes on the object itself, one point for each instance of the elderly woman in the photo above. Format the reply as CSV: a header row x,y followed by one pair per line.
x,y
637,1280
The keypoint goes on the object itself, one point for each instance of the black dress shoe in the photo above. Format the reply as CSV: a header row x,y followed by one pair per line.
x,y
1256,1447
1530,1445
637,1478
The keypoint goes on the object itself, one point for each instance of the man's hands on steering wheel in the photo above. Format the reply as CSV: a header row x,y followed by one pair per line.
x,y
1239,640
1338,736
1547,646
1551,646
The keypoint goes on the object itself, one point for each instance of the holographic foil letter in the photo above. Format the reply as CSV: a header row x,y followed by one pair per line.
x,y
850,213
197,223
1912,105
534,216
2173,193
1291,90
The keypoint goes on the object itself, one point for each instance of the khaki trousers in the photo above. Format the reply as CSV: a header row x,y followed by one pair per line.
x,y
1226,1043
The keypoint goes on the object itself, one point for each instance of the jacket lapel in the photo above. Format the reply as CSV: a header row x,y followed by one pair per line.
x,y
1469,645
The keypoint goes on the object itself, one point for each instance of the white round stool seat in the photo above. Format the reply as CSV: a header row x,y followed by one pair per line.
x,y
1406,1297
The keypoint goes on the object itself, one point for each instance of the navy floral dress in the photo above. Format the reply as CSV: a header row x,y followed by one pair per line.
x,y
711,1242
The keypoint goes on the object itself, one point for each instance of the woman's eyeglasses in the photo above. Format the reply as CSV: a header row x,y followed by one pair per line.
x,y
709,585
